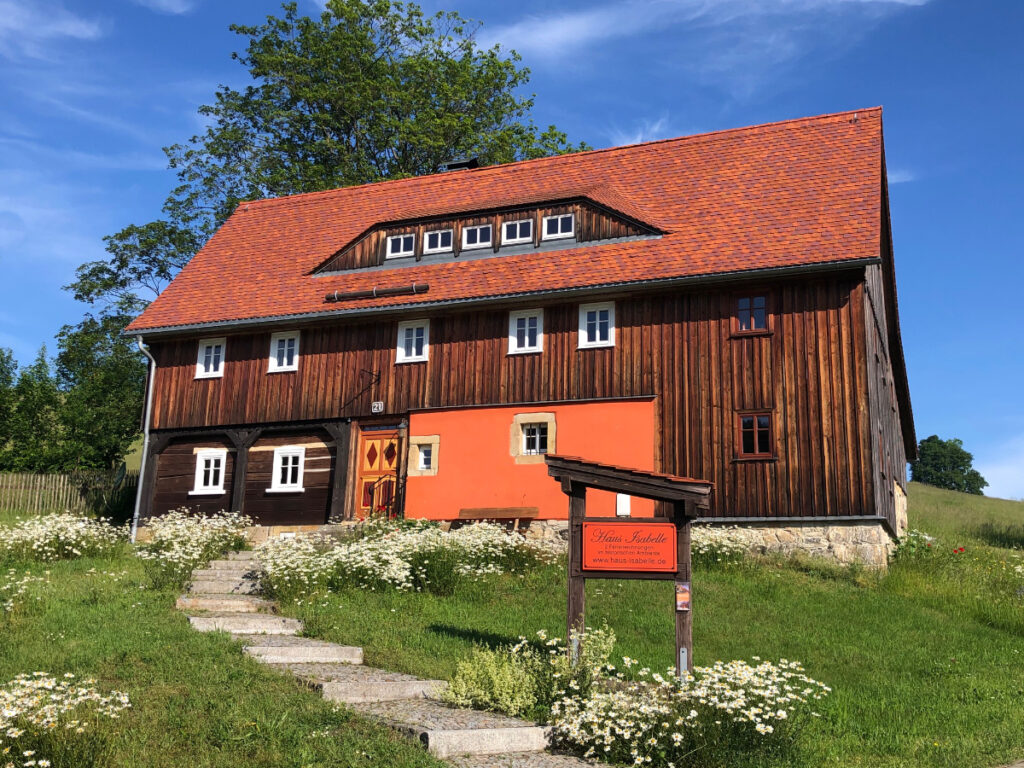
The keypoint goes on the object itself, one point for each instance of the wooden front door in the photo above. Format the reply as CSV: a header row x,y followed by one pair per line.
x,y
378,473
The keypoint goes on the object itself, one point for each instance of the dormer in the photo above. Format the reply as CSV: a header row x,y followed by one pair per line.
x,y
487,233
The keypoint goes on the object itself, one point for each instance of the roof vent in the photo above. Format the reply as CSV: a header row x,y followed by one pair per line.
x,y
459,163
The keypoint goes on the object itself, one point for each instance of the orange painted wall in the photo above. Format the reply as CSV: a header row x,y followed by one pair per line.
x,y
476,468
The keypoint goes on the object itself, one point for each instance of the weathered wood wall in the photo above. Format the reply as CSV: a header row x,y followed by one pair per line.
x,y
810,371
592,223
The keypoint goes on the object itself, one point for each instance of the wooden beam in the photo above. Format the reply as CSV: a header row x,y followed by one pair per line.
x,y
684,619
243,440
577,584
342,434
157,443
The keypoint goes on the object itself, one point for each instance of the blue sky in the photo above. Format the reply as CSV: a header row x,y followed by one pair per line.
x,y
90,90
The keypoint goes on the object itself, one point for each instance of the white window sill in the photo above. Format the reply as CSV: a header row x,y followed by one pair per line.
x,y
285,490
399,256
435,253
213,492
476,246
599,345
293,369
524,241
411,360
525,351
218,375
566,236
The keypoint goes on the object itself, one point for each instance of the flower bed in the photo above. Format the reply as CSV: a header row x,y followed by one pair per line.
x,y
180,542
48,721
401,556
58,537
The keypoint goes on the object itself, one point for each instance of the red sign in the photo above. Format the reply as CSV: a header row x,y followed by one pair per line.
x,y
614,546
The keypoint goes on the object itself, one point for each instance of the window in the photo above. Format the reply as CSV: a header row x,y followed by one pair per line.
x,y
209,479
423,455
751,314
401,245
755,435
289,463
535,438
556,227
284,352
597,325
525,331
517,232
210,364
476,237
437,242
413,341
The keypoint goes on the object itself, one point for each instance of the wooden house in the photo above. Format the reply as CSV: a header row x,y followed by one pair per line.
x,y
720,306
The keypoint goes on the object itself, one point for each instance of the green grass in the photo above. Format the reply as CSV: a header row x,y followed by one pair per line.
x,y
197,701
926,661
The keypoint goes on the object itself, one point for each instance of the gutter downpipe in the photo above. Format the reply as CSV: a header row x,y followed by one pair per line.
x,y
145,434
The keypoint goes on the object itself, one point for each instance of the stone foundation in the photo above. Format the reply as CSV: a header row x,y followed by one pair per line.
x,y
847,543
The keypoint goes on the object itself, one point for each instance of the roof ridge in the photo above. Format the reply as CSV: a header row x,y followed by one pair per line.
x,y
705,136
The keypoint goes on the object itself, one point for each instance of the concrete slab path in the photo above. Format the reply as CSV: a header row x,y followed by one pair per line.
x,y
223,598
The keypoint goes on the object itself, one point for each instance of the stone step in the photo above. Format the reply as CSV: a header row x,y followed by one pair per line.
x,y
224,586
354,684
224,603
276,649
246,624
522,760
447,731
220,568
245,554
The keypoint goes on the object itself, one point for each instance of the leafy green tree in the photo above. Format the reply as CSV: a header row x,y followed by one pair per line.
x,y
8,375
369,90
103,378
35,433
945,464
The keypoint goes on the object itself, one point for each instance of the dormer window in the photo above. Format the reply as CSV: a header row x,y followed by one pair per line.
x,y
439,241
401,245
476,237
516,232
560,226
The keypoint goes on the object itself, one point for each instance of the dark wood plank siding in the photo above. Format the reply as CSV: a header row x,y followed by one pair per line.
x,y
176,475
888,458
311,506
809,371
592,223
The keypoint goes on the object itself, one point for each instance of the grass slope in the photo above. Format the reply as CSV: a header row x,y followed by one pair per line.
x,y
197,701
925,661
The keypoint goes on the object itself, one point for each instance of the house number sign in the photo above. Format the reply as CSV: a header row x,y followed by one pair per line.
x,y
377,406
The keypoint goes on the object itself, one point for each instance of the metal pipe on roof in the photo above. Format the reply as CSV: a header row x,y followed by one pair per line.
x,y
375,292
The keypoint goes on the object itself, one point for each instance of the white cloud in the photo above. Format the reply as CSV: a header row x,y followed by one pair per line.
x,y
1004,469
728,42
646,129
168,6
901,176
27,29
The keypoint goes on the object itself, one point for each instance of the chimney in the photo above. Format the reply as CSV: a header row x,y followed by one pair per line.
x,y
459,163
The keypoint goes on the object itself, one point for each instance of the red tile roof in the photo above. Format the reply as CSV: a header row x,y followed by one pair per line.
x,y
797,193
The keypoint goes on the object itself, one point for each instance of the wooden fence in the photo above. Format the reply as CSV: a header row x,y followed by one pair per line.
x,y
31,493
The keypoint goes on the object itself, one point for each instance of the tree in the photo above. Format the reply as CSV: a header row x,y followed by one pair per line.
x,y
35,433
945,464
103,378
369,90
8,375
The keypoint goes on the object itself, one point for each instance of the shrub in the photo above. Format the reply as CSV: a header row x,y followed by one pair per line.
x,y
913,545
405,557
529,677
58,537
48,721
181,542
713,718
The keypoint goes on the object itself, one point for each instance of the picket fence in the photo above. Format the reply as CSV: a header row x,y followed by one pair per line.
x,y
31,493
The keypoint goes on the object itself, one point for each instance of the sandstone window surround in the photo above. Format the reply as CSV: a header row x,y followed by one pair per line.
x,y
521,422
424,453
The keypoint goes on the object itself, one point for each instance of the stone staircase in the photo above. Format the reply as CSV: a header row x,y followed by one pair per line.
x,y
223,597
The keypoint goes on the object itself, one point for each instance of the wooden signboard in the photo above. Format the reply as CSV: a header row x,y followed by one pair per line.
x,y
638,548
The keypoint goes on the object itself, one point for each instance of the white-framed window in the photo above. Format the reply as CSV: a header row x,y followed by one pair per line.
x,y
425,458
513,232
413,341
289,463
210,363
284,351
210,465
525,331
438,241
476,237
535,438
557,227
597,325
401,245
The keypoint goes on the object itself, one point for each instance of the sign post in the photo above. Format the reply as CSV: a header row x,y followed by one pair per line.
x,y
630,548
